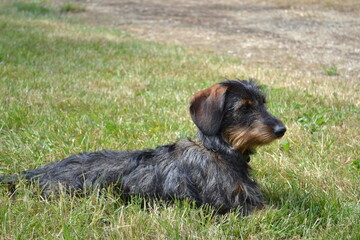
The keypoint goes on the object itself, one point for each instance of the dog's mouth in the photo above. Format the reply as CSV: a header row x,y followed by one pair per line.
x,y
247,139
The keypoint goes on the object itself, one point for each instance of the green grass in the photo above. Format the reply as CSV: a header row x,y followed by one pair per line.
x,y
32,8
72,7
67,88
331,71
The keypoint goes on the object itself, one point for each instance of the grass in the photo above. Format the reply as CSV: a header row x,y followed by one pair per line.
x,y
67,88
72,7
331,71
32,8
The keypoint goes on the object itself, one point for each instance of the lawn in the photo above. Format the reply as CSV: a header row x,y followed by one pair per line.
x,y
66,88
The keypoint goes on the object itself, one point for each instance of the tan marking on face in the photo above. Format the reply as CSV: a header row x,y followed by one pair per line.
x,y
249,102
244,102
248,138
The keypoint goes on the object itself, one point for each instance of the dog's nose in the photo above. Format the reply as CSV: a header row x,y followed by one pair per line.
x,y
279,131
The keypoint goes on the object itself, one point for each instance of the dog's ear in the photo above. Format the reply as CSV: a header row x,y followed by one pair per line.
x,y
207,109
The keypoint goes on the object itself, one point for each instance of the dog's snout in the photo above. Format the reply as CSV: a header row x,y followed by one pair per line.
x,y
279,130
275,124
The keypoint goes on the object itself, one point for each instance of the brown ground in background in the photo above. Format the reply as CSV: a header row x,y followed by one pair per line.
x,y
302,35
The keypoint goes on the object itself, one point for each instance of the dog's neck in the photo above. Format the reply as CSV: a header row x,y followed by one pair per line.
x,y
217,144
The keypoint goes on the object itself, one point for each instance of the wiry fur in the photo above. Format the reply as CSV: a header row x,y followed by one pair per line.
x,y
214,170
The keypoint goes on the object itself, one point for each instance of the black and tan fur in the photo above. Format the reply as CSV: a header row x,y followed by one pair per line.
x,y
232,120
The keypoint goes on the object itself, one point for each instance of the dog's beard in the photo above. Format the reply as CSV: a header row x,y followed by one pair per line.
x,y
245,139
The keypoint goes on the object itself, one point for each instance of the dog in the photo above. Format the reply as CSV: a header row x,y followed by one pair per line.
x,y
214,170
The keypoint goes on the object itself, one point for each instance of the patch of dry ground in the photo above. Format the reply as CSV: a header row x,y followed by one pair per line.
x,y
298,37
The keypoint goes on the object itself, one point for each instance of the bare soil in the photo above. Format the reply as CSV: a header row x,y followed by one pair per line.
x,y
302,35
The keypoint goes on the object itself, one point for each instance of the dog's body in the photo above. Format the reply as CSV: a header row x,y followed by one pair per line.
x,y
214,170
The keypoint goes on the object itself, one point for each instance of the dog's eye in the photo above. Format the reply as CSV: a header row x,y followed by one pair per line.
x,y
245,107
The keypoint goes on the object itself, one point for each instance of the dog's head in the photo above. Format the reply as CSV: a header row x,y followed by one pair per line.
x,y
235,110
